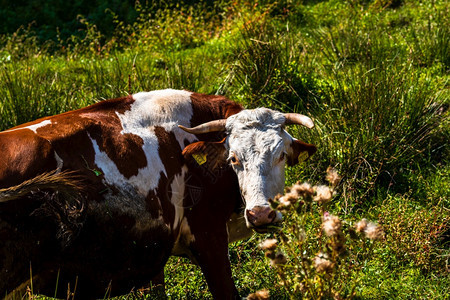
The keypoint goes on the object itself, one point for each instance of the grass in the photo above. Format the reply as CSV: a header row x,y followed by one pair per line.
x,y
373,75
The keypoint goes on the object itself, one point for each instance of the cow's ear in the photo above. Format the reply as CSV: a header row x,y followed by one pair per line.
x,y
300,151
210,155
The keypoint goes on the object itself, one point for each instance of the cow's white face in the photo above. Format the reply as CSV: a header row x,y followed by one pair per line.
x,y
257,147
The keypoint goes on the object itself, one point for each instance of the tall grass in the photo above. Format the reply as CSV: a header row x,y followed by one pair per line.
x,y
376,111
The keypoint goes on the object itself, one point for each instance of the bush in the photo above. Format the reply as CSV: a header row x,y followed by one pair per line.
x,y
416,235
319,255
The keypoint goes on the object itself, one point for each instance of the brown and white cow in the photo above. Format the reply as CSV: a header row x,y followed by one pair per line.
x,y
159,173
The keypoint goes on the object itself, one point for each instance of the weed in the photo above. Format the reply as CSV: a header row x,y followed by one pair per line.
x,y
319,255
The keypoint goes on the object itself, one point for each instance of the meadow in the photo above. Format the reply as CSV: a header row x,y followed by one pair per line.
x,y
374,76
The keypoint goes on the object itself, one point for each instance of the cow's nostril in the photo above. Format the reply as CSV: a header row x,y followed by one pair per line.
x,y
251,216
250,213
272,216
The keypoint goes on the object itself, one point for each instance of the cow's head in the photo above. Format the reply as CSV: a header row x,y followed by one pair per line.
x,y
257,147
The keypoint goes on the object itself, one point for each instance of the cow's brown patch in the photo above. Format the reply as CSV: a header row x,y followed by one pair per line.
x,y
24,155
212,107
170,153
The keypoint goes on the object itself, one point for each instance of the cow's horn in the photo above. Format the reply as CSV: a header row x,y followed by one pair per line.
x,y
292,118
216,125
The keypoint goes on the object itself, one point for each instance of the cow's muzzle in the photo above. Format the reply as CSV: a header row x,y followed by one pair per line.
x,y
262,219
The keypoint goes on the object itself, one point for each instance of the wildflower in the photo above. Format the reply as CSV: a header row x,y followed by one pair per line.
x,y
275,201
323,194
269,244
279,259
332,176
285,201
331,225
338,243
322,264
259,295
374,231
302,190
361,225
371,230
270,254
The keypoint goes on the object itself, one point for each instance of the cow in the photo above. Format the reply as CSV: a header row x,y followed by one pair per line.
x,y
98,198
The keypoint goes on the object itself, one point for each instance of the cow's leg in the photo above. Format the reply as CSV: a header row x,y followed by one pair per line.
x,y
210,250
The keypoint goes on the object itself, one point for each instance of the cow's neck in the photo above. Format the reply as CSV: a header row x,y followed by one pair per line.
x,y
210,107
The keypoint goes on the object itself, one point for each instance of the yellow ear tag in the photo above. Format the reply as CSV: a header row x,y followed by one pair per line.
x,y
200,158
303,156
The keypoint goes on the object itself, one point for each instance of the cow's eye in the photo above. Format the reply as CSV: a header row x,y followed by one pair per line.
x,y
234,160
282,156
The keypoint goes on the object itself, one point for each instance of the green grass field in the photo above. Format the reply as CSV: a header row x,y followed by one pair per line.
x,y
373,74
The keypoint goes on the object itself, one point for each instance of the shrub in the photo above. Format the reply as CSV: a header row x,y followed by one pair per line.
x,y
318,255
417,235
